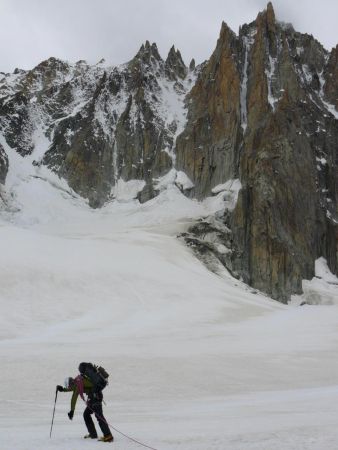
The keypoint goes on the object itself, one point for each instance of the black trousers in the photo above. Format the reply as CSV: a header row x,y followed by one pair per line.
x,y
95,406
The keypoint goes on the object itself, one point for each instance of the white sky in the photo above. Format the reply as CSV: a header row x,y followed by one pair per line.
x,y
34,30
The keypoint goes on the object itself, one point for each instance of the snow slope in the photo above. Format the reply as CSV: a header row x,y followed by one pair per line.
x,y
197,361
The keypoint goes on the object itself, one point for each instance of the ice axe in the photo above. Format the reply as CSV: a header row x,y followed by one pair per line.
x,y
51,426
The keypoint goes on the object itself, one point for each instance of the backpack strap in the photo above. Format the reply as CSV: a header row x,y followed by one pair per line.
x,y
80,386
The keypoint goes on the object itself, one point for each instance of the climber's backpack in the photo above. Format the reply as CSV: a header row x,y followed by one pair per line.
x,y
96,374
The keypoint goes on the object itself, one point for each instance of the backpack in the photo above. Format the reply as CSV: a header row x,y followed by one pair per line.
x,y
96,374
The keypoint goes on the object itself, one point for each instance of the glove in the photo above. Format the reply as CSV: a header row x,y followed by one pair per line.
x,y
59,388
71,414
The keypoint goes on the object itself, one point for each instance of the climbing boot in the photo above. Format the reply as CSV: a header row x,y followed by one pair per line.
x,y
108,438
90,436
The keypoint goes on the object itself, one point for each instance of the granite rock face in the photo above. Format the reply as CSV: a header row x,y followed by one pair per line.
x,y
281,220
208,148
264,118
98,124
263,110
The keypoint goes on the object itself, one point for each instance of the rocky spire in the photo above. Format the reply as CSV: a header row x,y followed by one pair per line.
x,y
174,65
148,53
226,40
267,14
270,14
192,65
213,118
266,21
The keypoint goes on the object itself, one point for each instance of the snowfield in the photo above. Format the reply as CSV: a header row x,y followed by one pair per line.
x,y
197,361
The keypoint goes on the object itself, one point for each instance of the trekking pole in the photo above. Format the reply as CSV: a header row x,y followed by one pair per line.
x,y
51,426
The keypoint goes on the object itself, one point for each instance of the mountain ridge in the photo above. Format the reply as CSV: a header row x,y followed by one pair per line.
x,y
261,110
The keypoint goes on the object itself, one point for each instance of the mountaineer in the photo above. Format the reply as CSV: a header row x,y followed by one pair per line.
x,y
91,381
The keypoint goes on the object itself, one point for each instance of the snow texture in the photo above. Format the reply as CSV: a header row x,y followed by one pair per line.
x,y
174,178
197,360
230,191
322,289
127,190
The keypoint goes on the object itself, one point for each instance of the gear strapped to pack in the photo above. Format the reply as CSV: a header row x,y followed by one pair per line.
x,y
96,374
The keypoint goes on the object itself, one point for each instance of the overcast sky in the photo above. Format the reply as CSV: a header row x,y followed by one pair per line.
x,y
34,30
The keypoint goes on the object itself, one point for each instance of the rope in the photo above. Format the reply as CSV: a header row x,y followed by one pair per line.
x,y
118,431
